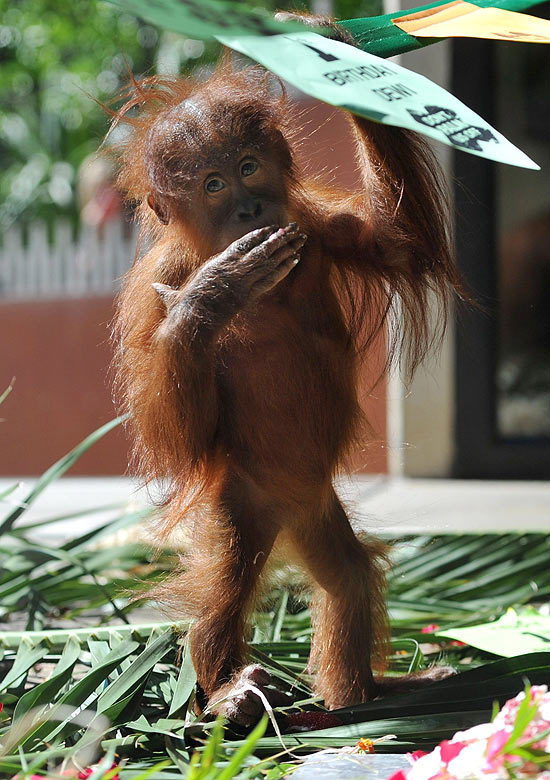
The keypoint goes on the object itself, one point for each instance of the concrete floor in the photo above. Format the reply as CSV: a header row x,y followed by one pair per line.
x,y
395,506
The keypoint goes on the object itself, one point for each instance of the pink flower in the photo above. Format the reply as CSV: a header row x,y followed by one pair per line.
x,y
428,767
399,775
481,731
416,755
539,697
31,777
90,770
480,752
496,743
450,750
470,762
429,629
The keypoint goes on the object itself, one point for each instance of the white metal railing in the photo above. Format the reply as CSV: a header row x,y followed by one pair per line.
x,y
65,266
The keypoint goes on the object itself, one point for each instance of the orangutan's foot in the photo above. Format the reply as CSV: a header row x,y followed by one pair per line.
x,y
238,701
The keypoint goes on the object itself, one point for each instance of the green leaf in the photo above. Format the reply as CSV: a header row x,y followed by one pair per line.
x,y
7,391
187,678
27,656
82,690
244,751
56,471
45,692
136,673
9,490
153,771
58,638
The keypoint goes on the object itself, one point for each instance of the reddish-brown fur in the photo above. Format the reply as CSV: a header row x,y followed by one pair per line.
x,y
246,411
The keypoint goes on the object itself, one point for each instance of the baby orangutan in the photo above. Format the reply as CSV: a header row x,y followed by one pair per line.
x,y
240,332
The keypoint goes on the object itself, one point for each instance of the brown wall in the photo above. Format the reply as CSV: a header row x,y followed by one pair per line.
x,y
327,150
59,353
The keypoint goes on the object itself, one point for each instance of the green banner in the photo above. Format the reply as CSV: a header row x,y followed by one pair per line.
x,y
509,636
378,35
207,18
342,75
369,86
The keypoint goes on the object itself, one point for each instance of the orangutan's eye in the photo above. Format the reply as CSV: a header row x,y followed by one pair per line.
x,y
214,185
249,167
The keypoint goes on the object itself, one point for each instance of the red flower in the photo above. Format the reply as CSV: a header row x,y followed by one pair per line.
x,y
429,629
30,777
90,770
416,755
450,750
399,775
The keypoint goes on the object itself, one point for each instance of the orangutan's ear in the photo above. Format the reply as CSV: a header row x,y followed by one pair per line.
x,y
159,208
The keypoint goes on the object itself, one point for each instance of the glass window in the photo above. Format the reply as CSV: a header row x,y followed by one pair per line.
x,y
523,231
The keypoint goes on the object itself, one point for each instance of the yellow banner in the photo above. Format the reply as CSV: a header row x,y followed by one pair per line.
x,y
460,19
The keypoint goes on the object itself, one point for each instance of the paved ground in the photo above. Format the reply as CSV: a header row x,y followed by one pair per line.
x,y
397,506
451,506
324,766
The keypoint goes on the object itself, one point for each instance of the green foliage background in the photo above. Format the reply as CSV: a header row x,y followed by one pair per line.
x,y
57,60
